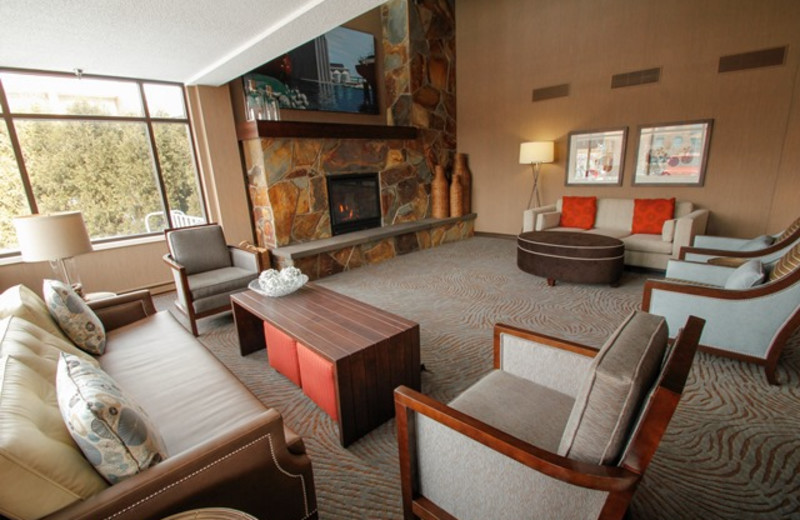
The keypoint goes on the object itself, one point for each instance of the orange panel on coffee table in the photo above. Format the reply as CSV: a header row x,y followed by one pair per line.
x,y
369,351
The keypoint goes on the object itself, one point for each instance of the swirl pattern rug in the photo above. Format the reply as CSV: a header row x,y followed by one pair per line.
x,y
732,449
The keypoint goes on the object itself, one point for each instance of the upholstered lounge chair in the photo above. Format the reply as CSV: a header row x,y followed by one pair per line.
x,y
748,323
207,271
732,251
557,431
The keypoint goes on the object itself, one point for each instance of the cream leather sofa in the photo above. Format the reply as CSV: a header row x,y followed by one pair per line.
x,y
614,218
224,447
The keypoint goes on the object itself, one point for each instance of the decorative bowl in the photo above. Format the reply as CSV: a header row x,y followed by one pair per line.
x,y
278,283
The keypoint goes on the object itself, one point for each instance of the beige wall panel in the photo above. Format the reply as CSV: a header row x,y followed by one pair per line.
x,y
786,202
507,48
118,270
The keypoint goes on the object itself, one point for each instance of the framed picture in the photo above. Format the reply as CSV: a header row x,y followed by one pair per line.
x,y
596,157
673,154
334,72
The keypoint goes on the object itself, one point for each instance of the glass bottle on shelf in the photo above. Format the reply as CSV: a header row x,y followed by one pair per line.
x,y
255,107
273,112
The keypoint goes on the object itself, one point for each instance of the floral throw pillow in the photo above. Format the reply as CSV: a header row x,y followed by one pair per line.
x,y
112,431
74,317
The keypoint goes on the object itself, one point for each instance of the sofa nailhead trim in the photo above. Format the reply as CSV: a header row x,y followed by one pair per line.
x,y
267,436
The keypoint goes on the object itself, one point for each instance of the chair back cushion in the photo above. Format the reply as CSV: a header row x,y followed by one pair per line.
x,y
786,264
622,374
199,249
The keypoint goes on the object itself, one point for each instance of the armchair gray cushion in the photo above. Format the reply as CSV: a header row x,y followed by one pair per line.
x,y
519,407
199,249
747,275
623,373
212,289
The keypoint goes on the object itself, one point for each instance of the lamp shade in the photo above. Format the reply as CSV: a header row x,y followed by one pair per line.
x,y
52,236
536,152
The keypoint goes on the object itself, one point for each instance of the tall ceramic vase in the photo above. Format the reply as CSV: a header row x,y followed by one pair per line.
x,y
461,169
440,194
456,195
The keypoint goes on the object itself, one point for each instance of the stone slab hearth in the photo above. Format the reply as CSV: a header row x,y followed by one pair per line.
x,y
329,256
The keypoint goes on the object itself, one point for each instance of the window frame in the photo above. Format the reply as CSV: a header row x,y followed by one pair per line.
x,y
8,118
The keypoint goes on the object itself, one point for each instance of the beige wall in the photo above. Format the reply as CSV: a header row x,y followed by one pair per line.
x,y
506,48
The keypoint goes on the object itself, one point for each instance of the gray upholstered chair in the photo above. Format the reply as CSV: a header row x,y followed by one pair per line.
x,y
557,431
207,271
751,310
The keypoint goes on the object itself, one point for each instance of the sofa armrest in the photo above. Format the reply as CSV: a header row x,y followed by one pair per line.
x,y
121,310
248,468
687,227
530,217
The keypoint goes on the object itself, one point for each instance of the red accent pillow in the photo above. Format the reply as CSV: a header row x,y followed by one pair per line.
x,y
649,215
578,212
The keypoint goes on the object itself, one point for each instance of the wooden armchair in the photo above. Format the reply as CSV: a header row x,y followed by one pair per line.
x,y
557,431
751,324
734,251
207,271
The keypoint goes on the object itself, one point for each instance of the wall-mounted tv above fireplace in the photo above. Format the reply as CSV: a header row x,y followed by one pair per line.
x,y
333,72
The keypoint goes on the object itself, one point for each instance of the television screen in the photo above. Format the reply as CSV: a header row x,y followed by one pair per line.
x,y
334,72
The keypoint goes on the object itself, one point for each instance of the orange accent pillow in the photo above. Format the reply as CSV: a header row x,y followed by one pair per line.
x,y
649,215
578,212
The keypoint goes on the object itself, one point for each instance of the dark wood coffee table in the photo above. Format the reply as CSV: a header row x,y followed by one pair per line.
x,y
571,256
370,351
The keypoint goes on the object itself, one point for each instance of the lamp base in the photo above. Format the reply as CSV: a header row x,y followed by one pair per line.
x,y
65,270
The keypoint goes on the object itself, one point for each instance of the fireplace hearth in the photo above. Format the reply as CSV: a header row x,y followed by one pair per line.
x,y
355,202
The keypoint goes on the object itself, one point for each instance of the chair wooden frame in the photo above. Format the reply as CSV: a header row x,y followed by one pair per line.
x,y
619,481
187,306
774,349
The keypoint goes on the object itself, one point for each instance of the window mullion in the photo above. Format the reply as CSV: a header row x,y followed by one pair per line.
x,y
162,189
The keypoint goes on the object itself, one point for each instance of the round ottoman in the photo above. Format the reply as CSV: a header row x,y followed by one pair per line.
x,y
571,257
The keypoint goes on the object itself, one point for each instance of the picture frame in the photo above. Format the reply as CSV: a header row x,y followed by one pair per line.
x,y
673,154
596,157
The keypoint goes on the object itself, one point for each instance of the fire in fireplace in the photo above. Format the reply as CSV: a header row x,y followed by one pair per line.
x,y
355,202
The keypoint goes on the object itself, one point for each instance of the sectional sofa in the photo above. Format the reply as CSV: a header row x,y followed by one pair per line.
x,y
224,448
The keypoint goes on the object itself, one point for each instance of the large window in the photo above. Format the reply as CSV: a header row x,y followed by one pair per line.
x,y
119,150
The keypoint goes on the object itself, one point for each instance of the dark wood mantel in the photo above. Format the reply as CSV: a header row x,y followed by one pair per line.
x,y
258,129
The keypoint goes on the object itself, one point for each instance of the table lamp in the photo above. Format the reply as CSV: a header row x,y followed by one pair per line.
x,y
56,238
535,153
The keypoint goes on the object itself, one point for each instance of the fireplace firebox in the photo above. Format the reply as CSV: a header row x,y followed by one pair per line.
x,y
354,201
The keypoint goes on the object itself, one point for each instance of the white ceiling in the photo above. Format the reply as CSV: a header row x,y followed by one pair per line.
x,y
197,42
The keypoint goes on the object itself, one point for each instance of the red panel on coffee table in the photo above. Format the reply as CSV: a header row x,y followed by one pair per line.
x,y
282,353
318,380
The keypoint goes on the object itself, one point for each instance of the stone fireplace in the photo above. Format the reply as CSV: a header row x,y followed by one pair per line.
x,y
354,202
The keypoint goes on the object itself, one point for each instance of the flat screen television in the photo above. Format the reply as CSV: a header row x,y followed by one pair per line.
x,y
333,72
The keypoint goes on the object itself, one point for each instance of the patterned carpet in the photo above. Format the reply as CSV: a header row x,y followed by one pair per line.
x,y
731,451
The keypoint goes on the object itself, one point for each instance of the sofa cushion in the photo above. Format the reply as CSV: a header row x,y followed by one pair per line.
x,y
199,249
614,213
529,411
668,231
23,302
649,215
647,243
41,468
224,280
114,433
135,357
74,317
578,212
747,275
622,374
610,232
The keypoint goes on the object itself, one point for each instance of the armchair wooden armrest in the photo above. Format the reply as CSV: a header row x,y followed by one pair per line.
x,y
408,402
121,310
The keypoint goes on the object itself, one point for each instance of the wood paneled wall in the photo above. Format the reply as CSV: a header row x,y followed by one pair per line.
x,y
506,48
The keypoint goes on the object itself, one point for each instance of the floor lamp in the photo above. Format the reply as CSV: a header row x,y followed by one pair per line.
x,y
56,238
535,153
